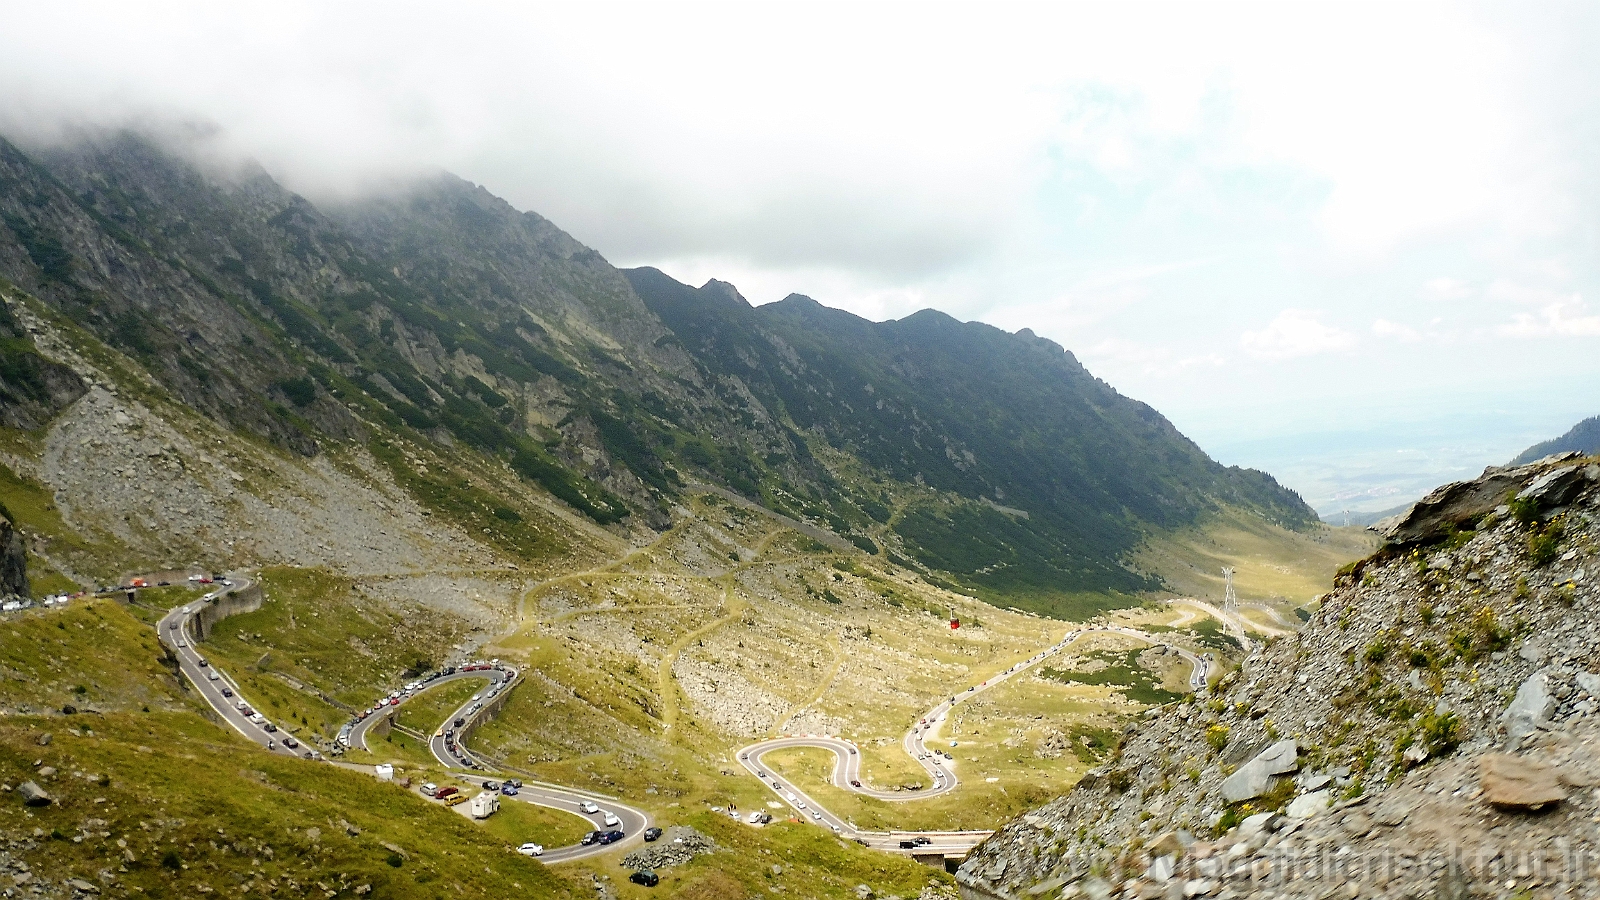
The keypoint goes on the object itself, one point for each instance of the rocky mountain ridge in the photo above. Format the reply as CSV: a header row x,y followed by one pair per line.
x,y
438,323
1583,437
1434,731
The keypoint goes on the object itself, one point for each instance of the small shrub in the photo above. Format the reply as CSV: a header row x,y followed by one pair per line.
x,y
1525,511
1426,612
1544,544
172,860
1217,737
1441,734
1231,817
1376,652
394,860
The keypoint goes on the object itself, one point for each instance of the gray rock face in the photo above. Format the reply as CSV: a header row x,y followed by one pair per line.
x,y
1255,777
1532,707
1441,770
1307,805
33,795
13,561
1554,488
1590,683
1460,503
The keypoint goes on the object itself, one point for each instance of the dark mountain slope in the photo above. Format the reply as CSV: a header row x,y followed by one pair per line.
x,y
1003,420
440,314
1584,438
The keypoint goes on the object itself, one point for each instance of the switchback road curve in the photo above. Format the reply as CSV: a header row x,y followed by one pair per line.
x,y
176,632
847,758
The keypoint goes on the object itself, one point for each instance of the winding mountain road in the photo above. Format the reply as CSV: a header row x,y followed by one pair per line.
x,y
176,632
847,758
223,695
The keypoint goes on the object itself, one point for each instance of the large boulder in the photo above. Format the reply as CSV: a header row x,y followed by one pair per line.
x,y
1512,782
1531,708
33,795
1254,778
1462,503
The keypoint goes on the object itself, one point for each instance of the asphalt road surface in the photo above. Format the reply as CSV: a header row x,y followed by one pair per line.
x,y
940,767
177,633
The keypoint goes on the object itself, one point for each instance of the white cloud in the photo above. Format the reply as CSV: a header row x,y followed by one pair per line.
x,y
1446,289
1295,333
1565,316
1405,333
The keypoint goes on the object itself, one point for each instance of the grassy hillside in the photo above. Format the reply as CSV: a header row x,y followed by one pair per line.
x,y
153,796
1272,564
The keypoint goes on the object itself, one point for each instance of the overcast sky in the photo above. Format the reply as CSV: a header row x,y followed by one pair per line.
x,y
1355,245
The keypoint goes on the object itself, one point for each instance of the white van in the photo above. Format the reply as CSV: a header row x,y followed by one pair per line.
x,y
611,820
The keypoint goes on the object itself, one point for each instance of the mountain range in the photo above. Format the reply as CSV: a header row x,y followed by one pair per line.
x,y
1583,437
437,313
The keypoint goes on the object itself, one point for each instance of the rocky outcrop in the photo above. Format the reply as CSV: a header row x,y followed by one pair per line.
x,y
1434,729
13,560
1462,504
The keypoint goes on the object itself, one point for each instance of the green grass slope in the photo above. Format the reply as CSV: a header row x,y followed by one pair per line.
x,y
154,799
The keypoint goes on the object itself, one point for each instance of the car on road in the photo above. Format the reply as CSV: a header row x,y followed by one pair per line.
x,y
290,742
800,804
531,849
855,782
610,818
515,783
211,675
460,722
760,774
491,785
258,718
922,841
645,877
269,727
588,807
227,692
201,662
590,838
610,837
444,792
852,751
908,845
815,814
508,789
652,834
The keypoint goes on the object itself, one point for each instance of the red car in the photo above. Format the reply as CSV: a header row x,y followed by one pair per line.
x,y
444,792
